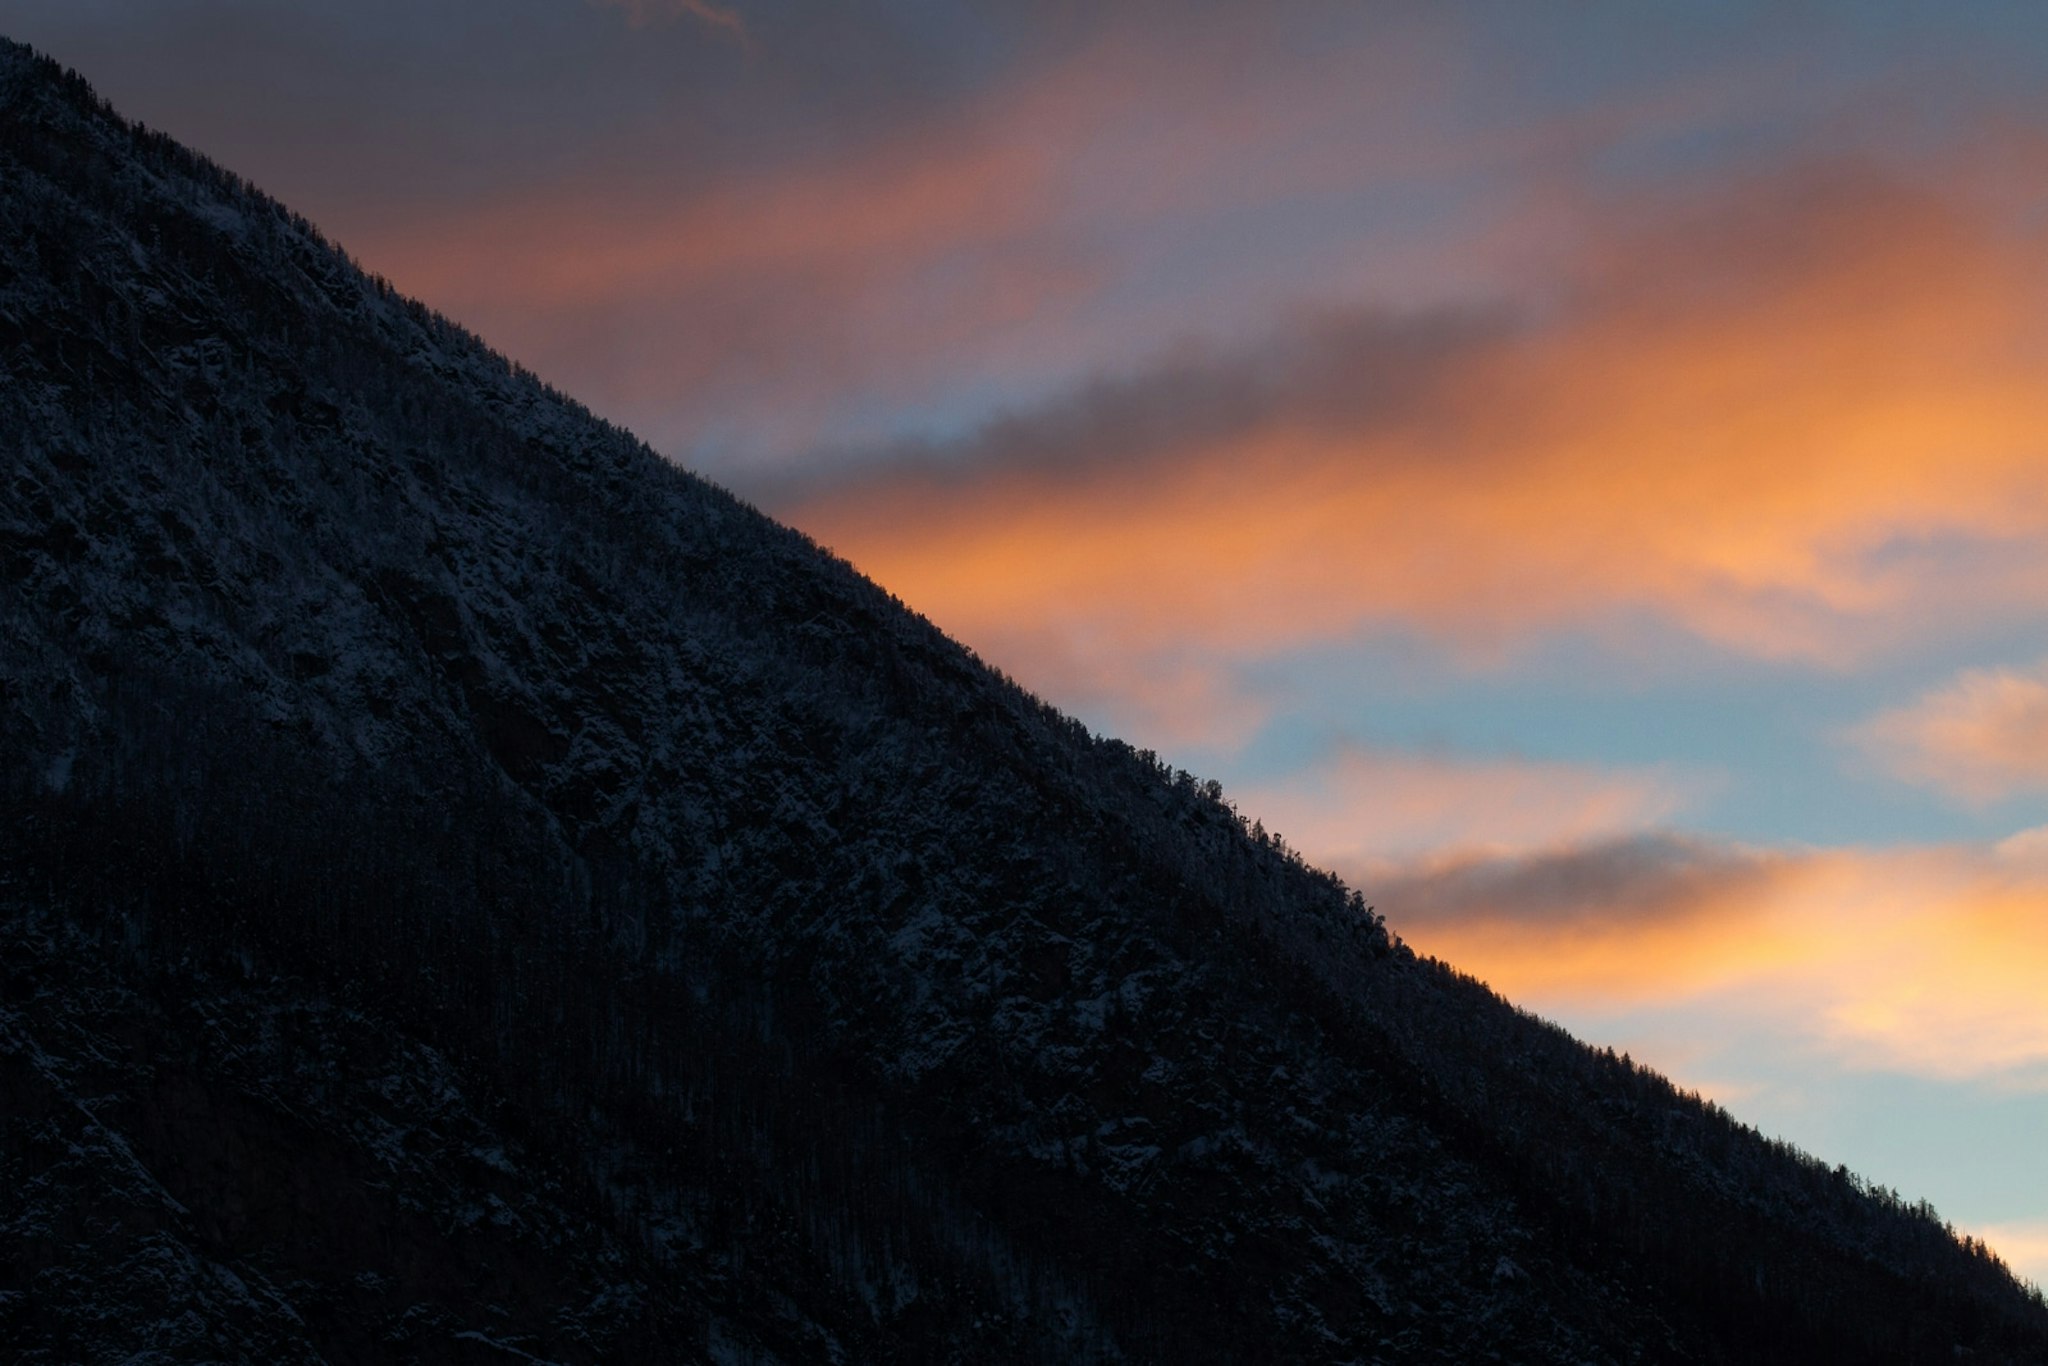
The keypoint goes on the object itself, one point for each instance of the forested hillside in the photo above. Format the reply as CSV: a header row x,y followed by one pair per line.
x,y
472,891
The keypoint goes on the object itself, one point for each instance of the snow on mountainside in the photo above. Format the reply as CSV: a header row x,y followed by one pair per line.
x,y
474,892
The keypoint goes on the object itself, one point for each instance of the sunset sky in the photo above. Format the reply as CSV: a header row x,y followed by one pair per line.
x,y
1578,469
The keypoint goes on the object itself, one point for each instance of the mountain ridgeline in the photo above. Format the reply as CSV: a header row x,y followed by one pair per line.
x,y
472,891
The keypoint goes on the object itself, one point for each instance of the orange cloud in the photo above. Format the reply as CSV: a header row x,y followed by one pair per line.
x,y
1925,960
1784,419
1613,922
1982,737
845,264
951,244
1366,809
953,236
1169,700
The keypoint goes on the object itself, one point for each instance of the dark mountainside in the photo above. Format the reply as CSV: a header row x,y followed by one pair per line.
x,y
472,892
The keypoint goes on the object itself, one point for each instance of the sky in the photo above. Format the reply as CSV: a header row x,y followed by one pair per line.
x,y
1579,470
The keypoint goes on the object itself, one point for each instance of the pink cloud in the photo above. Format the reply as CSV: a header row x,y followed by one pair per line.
x,y
964,244
643,12
1924,960
1780,419
1363,809
1980,737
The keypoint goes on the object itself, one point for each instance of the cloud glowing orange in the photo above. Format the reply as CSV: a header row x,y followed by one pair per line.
x,y
1366,810
1924,959
1781,420
1981,737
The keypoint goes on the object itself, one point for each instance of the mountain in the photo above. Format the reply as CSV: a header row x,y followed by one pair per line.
x,y
473,892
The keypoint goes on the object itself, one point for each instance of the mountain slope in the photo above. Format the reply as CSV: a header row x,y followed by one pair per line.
x,y
471,889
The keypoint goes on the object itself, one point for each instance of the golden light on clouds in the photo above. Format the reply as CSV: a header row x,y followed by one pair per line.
x,y
871,257
1925,960
1559,886
1360,808
1771,419
1981,737
1412,389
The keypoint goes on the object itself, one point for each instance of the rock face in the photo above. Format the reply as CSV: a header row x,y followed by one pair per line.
x,y
470,891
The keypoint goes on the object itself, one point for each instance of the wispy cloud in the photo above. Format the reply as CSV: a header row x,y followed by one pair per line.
x,y
1366,809
1652,876
643,12
1613,923
1084,199
769,294
1980,737
1781,418
1924,959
